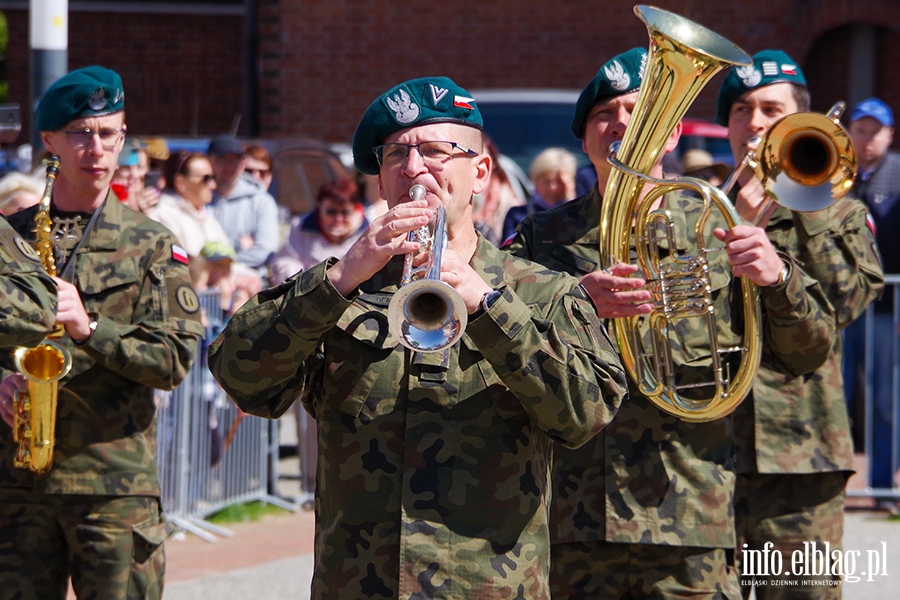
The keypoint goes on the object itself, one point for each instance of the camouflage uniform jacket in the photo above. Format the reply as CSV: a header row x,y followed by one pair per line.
x,y
433,470
651,478
799,424
27,294
148,326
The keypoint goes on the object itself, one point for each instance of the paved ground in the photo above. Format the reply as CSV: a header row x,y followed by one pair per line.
x,y
272,559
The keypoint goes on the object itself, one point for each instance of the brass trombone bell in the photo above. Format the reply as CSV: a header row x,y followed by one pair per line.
x,y
807,161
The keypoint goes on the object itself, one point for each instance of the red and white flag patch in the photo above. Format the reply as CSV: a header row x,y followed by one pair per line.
x,y
179,254
463,102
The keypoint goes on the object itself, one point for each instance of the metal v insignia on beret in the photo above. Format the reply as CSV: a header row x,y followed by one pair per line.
x,y
437,93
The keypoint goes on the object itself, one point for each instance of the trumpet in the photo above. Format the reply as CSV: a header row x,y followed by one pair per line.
x,y
34,408
426,314
805,161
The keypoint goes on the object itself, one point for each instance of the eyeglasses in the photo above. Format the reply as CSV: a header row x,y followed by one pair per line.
x,y
333,212
202,178
257,172
82,138
432,153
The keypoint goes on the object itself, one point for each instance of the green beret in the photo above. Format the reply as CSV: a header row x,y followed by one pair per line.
x,y
87,92
411,104
769,66
620,75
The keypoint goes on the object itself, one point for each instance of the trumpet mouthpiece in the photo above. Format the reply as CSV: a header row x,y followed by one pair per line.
x,y
417,192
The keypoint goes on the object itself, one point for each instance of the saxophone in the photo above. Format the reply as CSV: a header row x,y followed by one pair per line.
x,y
34,408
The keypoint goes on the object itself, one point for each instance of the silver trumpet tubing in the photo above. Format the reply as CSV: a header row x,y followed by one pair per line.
x,y
426,314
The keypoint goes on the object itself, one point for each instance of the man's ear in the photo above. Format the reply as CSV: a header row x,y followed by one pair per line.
x,y
483,168
48,144
672,142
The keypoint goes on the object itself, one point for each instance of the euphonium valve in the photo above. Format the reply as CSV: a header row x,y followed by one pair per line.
x,y
426,314
683,56
34,408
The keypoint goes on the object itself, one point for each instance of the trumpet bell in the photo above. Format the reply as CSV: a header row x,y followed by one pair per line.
x,y
427,315
808,161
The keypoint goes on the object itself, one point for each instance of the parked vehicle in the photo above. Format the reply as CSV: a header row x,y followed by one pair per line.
x,y
522,122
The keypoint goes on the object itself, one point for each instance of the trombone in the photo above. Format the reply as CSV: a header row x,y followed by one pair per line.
x,y
805,161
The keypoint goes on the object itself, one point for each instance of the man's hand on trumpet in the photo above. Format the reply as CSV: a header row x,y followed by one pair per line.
x,y
384,238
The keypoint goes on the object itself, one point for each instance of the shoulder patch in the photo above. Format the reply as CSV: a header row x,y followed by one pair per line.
x,y
187,299
26,249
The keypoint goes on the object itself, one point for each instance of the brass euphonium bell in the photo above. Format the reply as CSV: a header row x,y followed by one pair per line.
x,y
34,408
683,56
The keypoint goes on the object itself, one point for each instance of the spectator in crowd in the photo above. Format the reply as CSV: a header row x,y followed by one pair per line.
x,y
183,208
553,174
792,435
259,165
19,191
699,163
492,205
190,183
130,179
878,185
330,230
246,211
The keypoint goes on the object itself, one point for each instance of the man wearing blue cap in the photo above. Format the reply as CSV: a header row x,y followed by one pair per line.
x,y
132,325
794,452
432,475
644,509
878,185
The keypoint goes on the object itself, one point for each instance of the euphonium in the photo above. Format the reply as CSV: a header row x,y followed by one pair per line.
x,y
426,314
683,56
34,408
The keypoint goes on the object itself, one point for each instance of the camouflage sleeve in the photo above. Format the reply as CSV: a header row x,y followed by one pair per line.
x,y
157,347
845,260
260,357
798,323
27,294
561,367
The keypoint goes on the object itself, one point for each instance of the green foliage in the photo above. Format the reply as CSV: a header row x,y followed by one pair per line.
x,y
244,513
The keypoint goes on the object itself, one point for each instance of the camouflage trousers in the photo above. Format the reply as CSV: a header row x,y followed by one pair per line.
x,y
595,570
110,546
787,511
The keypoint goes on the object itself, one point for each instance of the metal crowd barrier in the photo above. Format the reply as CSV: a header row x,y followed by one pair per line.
x,y
870,401
210,454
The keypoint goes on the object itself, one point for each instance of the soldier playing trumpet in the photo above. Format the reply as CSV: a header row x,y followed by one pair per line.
x,y
432,467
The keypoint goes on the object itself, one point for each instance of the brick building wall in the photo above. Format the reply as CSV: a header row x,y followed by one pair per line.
x,y
182,74
323,61
320,62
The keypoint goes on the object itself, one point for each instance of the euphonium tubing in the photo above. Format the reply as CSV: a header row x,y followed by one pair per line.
x,y
683,56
